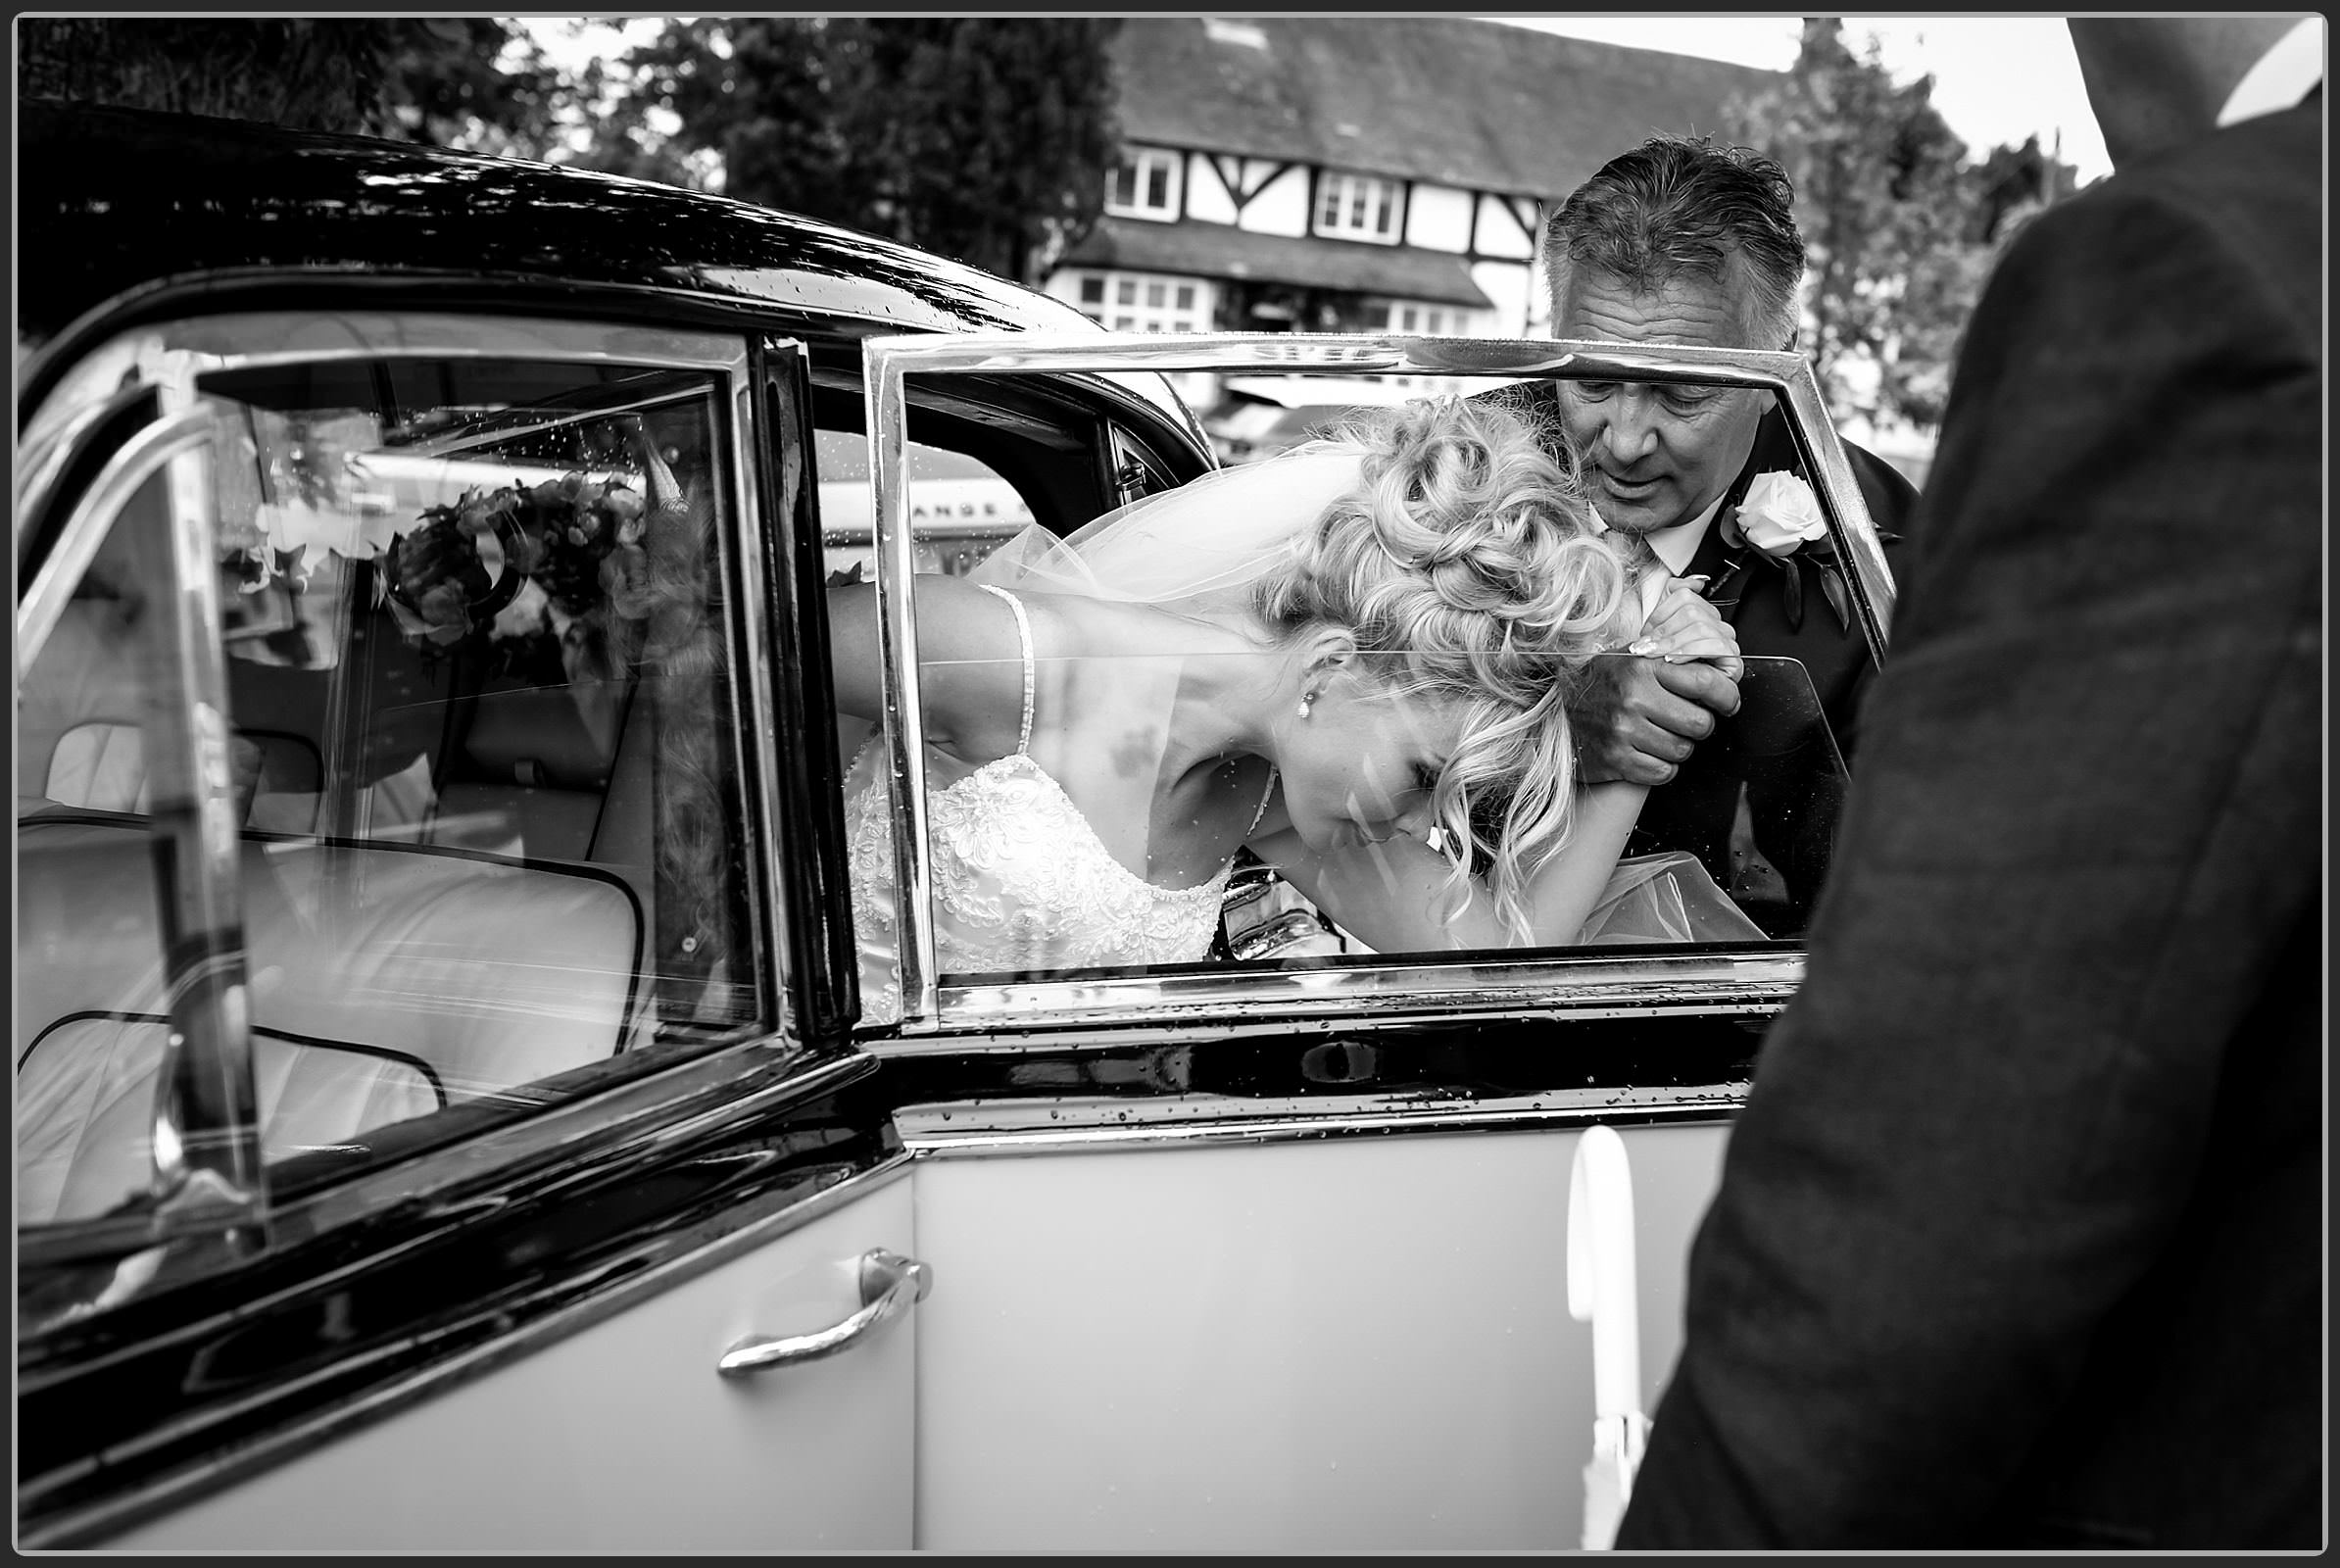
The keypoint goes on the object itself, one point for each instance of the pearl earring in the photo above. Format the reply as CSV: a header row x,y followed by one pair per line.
x,y
1306,700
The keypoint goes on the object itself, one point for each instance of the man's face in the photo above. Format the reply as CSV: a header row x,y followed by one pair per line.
x,y
1657,455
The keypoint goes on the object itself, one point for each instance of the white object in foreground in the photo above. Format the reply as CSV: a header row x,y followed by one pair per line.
x,y
1601,1291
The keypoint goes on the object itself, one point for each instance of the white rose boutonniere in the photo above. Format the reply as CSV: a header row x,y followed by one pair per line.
x,y
1780,518
1781,513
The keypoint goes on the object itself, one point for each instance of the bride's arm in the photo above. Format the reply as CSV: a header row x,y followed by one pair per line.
x,y
970,663
1400,896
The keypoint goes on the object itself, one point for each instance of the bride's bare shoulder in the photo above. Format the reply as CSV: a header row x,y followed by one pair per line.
x,y
1075,626
1070,625
972,657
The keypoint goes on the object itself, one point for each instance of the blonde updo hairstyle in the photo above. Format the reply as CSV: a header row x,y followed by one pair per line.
x,y
1466,554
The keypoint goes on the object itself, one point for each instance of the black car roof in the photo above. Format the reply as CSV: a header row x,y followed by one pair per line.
x,y
113,200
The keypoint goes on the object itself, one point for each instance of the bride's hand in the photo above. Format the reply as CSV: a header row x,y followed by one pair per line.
x,y
1684,628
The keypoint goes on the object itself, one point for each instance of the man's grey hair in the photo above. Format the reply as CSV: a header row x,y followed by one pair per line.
x,y
1678,206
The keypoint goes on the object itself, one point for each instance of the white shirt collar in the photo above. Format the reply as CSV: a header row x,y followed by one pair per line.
x,y
2281,77
1675,546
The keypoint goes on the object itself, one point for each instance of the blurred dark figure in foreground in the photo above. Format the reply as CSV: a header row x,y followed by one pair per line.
x,y
2020,1236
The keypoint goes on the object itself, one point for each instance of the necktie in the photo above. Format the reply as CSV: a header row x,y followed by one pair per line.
x,y
1639,557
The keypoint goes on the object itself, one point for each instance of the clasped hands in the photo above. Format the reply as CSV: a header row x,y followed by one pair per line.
x,y
1638,714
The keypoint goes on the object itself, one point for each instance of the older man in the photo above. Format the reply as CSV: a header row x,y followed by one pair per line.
x,y
1683,241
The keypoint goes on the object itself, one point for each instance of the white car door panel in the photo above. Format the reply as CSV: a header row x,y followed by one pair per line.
x,y
1360,1342
624,1437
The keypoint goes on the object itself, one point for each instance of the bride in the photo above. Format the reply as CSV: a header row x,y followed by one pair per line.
x,y
1351,658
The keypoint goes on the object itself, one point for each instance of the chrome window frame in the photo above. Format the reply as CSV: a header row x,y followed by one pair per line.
x,y
182,349
1576,981
205,1177
45,452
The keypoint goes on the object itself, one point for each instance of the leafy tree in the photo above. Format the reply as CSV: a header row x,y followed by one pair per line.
x,y
1886,215
476,82
984,138
750,107
457,80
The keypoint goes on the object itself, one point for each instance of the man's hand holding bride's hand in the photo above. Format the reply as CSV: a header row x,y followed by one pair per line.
x,y
1685,627
1637,719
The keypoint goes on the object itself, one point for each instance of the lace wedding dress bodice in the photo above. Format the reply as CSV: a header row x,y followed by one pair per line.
x,y
1020,879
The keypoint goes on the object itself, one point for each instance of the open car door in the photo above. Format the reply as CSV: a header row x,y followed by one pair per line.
x,y
1270,1251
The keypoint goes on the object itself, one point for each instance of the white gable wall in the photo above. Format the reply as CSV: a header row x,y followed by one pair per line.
x,y
1510,285
1209,200
1501,233
1439,217
1281,208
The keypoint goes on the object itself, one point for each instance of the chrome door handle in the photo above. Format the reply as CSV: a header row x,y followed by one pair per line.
x,y
891,1284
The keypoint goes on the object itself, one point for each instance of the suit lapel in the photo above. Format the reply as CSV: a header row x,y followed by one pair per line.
x,y
1727,566
1716,561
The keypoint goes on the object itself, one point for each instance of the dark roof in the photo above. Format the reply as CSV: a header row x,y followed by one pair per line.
x,y
110,199
1217,250
1478,105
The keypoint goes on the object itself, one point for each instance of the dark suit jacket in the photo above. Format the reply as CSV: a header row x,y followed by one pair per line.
x,y
1752,594
2018,1241
1793,786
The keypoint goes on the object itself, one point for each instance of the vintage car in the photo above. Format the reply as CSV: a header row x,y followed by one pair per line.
x,y
444,1114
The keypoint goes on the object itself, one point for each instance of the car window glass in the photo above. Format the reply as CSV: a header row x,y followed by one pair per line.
x,y
1732,854
485,747
1729,856
1733,857
960,509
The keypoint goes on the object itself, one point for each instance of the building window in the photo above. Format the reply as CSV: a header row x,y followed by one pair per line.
x,y
1143,302
1144,185
1357,207
1415,319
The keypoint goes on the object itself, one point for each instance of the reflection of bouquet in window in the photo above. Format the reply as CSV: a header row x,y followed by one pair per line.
x,y
525,560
